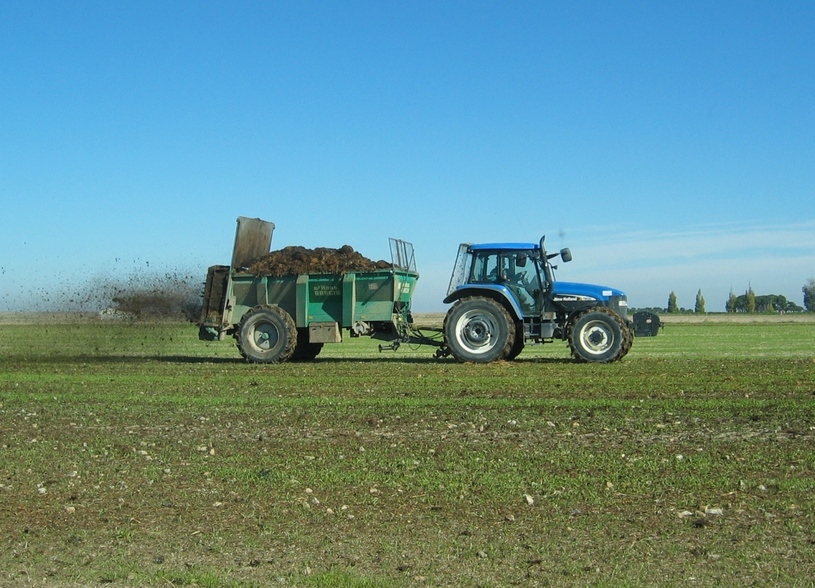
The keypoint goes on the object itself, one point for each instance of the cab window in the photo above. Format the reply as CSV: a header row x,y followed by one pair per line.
x,y
485,268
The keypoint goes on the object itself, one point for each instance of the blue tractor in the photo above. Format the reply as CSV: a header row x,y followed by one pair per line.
x,y
505,295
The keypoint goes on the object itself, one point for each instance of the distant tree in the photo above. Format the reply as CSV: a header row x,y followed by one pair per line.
x,y
732,302
809,295
751,300
772,303
700,303
792,307
672,305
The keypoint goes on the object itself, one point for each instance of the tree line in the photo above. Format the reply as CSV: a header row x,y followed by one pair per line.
x,y
750,302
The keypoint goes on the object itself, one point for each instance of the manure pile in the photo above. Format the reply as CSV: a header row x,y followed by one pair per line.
x,y
296,260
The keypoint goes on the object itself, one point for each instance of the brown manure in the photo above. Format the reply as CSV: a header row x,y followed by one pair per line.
x,y
296,260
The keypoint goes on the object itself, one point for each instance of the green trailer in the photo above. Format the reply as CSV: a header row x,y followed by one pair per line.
x,y
280,318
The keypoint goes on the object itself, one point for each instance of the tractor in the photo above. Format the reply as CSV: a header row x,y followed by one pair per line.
x,y
505,295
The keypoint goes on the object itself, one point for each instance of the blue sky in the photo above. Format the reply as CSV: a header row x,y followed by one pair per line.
x,y
670,145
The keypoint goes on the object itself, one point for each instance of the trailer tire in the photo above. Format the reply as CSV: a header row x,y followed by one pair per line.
x,y
305,351
598,335
479,330
267,334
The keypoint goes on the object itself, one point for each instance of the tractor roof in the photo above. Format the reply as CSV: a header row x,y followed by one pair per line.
x,y
504,246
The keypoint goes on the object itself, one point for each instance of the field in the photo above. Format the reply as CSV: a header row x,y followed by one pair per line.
x,y
135,455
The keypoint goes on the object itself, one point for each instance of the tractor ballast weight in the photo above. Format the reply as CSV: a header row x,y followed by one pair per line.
x,y
647,324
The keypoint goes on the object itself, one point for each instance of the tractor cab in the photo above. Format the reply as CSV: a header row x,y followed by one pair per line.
x,y
516,269
519,272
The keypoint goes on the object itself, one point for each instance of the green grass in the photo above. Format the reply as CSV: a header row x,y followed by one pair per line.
x,y
135,455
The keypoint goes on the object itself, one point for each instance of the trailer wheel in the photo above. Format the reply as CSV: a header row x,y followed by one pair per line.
x,y
479,330
305,351
267,334
597,335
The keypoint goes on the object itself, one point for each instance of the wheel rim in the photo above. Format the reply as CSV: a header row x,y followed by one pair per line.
x,y
596,337
265,336
475,332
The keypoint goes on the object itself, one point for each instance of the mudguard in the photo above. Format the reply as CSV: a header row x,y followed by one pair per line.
x,y
496,291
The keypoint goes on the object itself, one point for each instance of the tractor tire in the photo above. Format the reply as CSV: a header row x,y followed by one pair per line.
x,y
519,343
479,330
598,335
628,338
267,334
305,351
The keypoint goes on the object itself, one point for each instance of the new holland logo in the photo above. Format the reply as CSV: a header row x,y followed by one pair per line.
x,y
571,298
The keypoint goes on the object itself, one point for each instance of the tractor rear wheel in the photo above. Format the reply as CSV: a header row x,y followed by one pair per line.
x,y
479,330
519,343
267,334
598,335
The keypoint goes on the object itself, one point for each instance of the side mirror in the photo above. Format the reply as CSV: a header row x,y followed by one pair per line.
x,y
566,254
520,261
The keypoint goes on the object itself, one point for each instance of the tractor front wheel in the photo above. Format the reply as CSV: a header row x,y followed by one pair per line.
x,y
597,335
267,334
479,330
